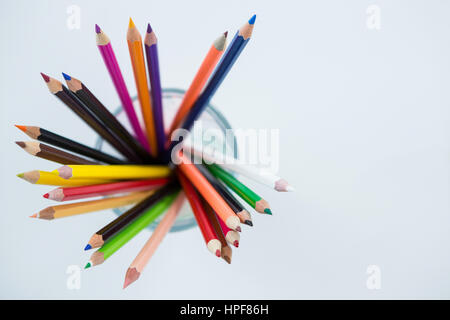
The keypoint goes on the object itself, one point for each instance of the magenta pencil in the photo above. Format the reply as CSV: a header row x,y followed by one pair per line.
x,y
106,50
151,52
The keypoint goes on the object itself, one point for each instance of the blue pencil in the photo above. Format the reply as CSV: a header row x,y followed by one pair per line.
x,y
238,44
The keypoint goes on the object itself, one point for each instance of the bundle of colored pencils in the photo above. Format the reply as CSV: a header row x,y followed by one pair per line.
x,y
145,175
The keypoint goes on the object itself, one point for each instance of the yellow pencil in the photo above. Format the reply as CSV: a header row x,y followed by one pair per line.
x,y
71,209
116,172
134,41
51,179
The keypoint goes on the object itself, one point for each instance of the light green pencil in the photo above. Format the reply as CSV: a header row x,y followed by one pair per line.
x,y
115,243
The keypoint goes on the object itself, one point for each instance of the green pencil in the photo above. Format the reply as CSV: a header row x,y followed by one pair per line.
x,y
115,243
254,200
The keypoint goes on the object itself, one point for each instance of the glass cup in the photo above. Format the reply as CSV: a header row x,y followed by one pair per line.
x,y
211,118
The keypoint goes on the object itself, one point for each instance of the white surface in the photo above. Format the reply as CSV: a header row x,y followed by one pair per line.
x,y
364,121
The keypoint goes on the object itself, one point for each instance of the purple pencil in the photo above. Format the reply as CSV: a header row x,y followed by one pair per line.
x,y
151,52
106,50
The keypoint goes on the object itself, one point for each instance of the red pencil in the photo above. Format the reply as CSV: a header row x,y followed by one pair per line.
x,y
232,236
96,190
212,242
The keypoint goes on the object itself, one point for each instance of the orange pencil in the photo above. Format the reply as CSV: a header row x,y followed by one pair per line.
x,y
207,67
134,40
208,192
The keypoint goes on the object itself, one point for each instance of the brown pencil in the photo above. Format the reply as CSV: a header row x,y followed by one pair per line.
x,y
44,151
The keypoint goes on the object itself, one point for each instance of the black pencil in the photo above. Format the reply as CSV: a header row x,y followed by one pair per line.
x,y
234,204
96,106
80,109
99,238
67,144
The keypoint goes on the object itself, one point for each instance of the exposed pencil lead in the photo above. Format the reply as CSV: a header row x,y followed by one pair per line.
x,y
252,19
238,229
236,243
23,128
88,265
268,211
66,76
20,144
97,29
290,188
46,196
88,247
218,253
45,77
20,175
225,34
33,215
249,223
149,28
131,24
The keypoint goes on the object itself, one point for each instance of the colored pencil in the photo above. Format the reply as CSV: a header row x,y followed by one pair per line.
x,y
76,193
203,74
134,41
151,53
209,193
239,42
44,151
67,144
212,242
71,209
85,114
264,177
231,236
226,252
112,228
51,179
235,205
114,172
97,108
137,266
110,247
254,200
109,58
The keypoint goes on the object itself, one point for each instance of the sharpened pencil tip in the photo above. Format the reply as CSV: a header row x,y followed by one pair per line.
x,y
218,253
225,34
238,229
227,259
268,211
33,215
252,19
131,23
236,243
97,29
20,175
20,144
45,77
249,223
46,196
66,76
88,247
149,28
88,265
23,128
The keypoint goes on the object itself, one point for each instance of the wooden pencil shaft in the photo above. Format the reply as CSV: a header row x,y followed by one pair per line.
x,y
234,204
214,222
243,191
80,109
48,178
126,218
136,226
115,172
71,209
95,105
70,145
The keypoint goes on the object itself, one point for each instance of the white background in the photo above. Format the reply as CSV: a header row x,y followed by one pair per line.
x,y
363,118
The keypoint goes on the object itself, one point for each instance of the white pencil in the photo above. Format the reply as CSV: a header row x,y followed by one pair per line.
x,y
257,174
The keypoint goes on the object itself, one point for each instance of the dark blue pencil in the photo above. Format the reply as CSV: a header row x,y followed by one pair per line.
x,y
151,52
238,43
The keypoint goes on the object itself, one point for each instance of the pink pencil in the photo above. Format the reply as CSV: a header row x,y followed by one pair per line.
x,y
147,251
231,236
106,50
